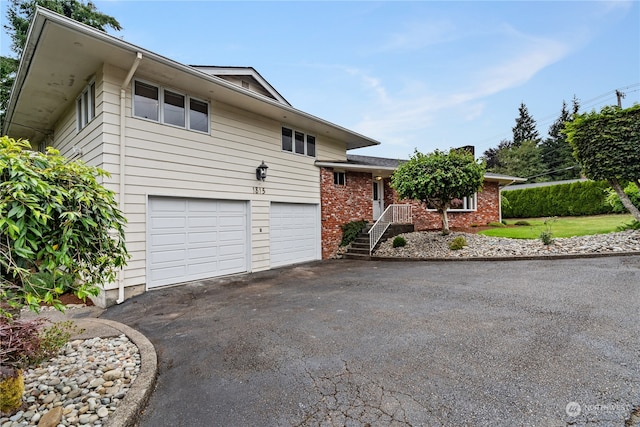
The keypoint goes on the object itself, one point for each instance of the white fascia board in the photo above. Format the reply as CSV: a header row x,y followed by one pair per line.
x,y
353,139
348,166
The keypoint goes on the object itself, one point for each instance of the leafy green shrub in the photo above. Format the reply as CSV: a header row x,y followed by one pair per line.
x,y
522,223
350,231
59,228
27,342
614,200
546,237
458,243
495,224
633,225
504,221
574,199
399,241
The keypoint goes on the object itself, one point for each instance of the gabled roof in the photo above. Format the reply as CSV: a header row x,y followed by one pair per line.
x,y
246,74
61,56
384,167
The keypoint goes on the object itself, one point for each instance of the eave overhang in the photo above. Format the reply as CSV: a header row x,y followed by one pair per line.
x,y
385,171
62,55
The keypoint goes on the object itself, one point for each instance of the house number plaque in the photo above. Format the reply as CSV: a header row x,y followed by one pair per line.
x,y
259,190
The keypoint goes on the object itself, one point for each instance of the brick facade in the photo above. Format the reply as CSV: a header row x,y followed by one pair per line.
x,y
341,204
352,202
488,211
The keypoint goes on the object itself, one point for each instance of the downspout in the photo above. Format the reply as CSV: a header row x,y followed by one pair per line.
x,y
123,98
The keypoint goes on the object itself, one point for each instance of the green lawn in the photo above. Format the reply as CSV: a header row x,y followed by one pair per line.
x,y
561,227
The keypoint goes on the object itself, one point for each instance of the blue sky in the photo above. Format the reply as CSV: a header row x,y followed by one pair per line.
x,y
419,74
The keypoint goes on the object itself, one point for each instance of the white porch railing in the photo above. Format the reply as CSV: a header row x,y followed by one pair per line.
x,y
394,214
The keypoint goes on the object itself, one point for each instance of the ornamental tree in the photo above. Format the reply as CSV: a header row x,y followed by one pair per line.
x,y
438,178
60,229
607,145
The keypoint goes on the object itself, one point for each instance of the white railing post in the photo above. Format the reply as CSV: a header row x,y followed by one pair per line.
x,y
393,214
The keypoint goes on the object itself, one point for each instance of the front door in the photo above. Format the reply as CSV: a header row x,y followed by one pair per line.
x,y
378,199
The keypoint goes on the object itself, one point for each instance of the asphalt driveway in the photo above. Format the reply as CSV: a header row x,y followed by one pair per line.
x,y
356,343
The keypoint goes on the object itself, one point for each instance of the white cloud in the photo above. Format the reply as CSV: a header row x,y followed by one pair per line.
x,y
397,116
419,35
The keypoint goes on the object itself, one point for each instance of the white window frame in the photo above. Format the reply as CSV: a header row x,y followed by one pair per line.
x,y
86,106
305,142
469,204
336,177
161,107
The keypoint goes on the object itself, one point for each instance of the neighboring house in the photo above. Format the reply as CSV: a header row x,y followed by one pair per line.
x,y
185,145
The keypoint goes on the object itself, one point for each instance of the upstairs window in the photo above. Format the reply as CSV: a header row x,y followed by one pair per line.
x,y
177,109
86,106
174,108
146,101
298,142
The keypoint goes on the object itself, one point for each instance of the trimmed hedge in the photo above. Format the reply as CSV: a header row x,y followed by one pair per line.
x,y
574,199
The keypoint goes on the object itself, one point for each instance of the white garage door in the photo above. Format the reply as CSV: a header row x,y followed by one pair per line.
x,y
191,239
294,233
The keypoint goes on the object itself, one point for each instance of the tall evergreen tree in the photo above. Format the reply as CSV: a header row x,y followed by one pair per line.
x,y
523,161
19,17
491,155
525,128
557,154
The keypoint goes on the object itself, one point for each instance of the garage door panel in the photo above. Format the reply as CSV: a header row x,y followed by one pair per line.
x,y
193,239
168,272
202,221
168,256
293,233
205,238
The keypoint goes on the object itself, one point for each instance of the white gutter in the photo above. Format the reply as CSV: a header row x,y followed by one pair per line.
x,y
353,166
123,98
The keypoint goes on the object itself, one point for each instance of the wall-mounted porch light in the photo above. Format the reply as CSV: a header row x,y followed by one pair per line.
x,y
261,171
378,178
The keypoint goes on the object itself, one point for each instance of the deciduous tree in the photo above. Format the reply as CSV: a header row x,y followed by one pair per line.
x,y
438,178
607,145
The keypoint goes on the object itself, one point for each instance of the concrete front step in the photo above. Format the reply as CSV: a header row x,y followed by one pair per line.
x,y
350,255
360,246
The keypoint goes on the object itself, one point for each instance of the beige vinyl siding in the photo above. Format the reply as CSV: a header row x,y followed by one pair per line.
x,y
163,160
331,150
89,140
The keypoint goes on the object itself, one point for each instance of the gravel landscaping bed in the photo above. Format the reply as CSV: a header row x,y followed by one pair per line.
x,y
428,244
86,380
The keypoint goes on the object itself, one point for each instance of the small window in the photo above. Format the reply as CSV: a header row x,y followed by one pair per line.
x,y
299,142
86,106
465,204
198,115
174,108
311,146
146,101
339,178
287,139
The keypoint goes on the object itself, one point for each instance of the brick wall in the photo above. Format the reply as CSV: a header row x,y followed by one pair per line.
x,y
352,202
341,204
488,210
